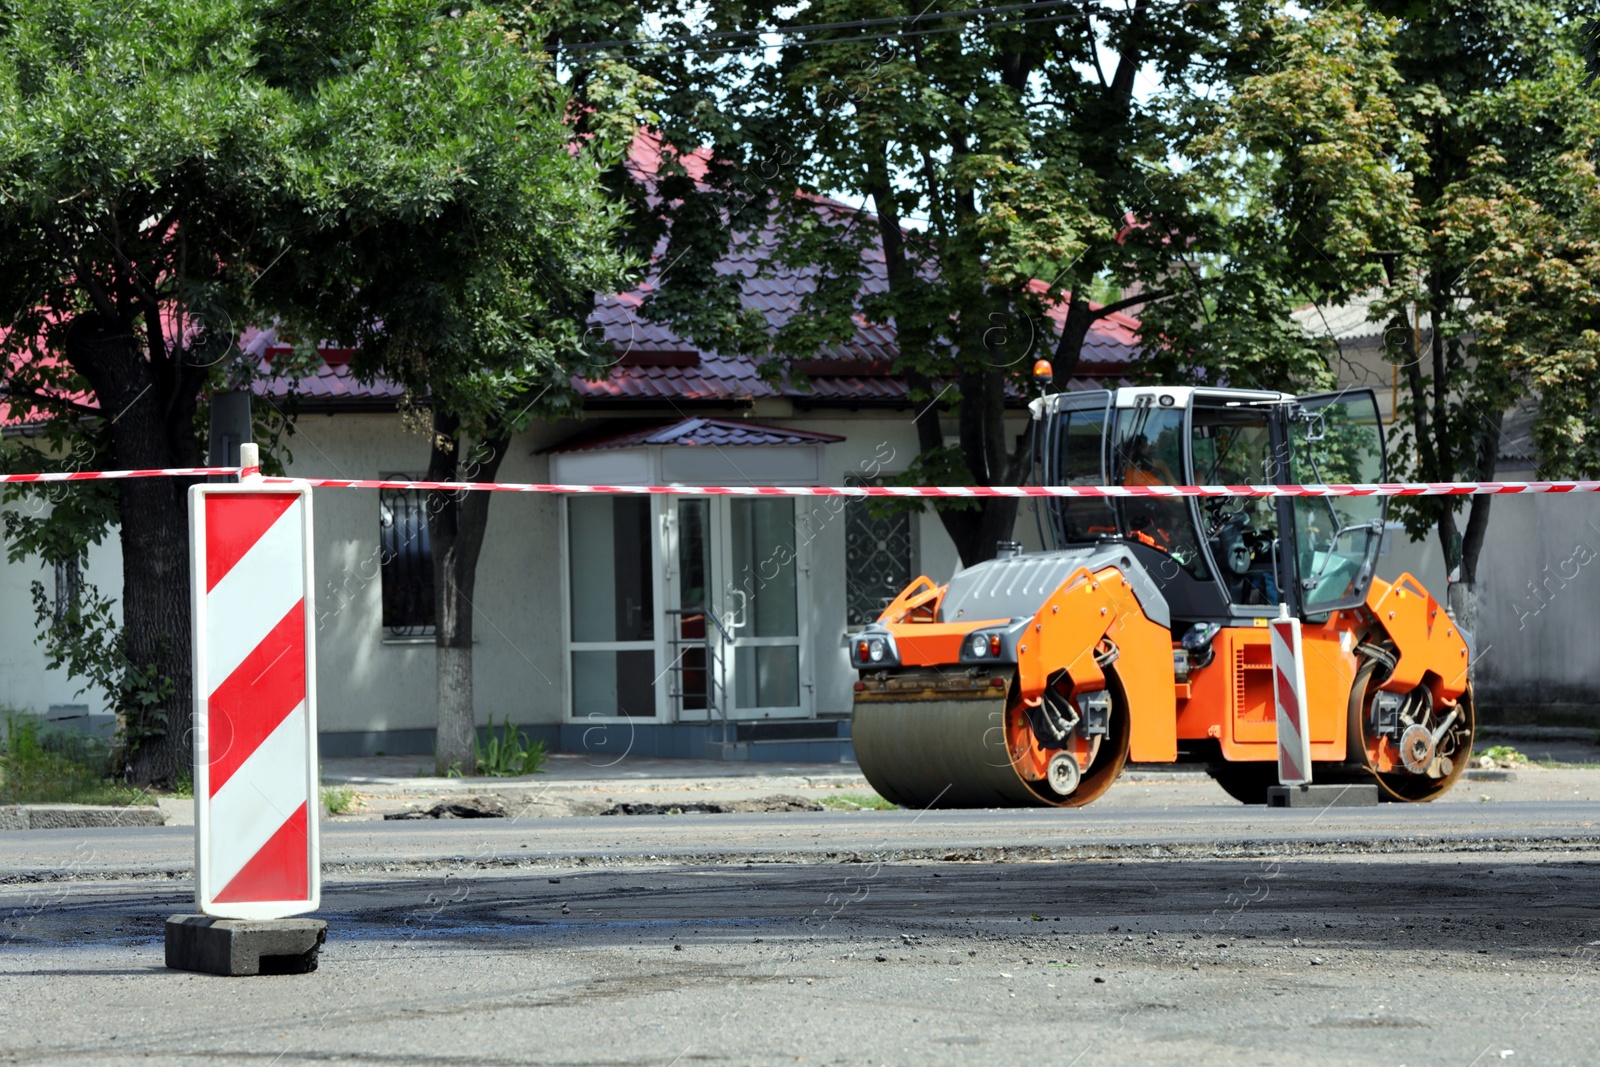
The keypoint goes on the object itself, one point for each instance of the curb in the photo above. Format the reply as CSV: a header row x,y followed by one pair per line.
x,y
76,816
442,786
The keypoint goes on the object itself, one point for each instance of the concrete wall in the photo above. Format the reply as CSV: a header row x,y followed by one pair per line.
x,y
1538,655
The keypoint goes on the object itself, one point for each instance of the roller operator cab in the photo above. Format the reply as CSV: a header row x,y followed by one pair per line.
x,y
1034,677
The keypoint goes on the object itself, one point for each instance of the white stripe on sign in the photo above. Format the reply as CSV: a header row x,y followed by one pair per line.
x,y
259,798
255,595
1289,702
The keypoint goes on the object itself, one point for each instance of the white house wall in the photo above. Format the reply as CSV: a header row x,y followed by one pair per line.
x,y
371,683
25,683
379,690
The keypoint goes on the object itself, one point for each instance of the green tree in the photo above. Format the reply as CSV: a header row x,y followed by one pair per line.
x,y
1009,164
1507,271
473,286
1294,159
172,170
1441,158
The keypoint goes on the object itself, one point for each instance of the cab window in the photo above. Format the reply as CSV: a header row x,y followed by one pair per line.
x,y
1233,446
1148,450
1079,441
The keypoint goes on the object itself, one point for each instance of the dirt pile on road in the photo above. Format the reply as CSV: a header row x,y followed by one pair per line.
x,y
760,804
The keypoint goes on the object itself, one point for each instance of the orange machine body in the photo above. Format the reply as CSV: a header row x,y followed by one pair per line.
x,y
1229,700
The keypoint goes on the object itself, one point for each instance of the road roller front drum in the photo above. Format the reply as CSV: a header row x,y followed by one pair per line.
x,y
950,750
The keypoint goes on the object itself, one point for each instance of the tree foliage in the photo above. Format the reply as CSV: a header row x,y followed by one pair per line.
x,y
1013,169
386,173
1437,161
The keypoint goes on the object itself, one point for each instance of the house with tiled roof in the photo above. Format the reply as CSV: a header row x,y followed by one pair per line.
x,y
676,625
656,625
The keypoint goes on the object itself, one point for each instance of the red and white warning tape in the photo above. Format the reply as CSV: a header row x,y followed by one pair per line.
x,y
934,491
98,476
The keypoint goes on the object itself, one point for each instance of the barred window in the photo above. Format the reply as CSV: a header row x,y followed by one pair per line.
x,y
878,560
407,561
69,587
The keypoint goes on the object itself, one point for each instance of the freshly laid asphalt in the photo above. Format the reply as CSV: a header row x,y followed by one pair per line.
x,y
1162,925
358,848
1443,934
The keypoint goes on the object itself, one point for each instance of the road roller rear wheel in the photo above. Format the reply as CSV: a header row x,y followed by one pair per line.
x,y
1411,766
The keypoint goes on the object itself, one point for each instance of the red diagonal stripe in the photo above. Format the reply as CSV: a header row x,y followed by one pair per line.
x,y
280,871
253,700
234,523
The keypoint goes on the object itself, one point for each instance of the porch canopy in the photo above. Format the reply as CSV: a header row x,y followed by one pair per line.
x,y
695,451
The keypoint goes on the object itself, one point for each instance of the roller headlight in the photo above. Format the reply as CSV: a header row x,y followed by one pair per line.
x,y
986,646
873,649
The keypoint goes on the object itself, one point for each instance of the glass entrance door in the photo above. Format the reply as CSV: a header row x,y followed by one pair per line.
x,y
612,602
764,608
736,604
694,630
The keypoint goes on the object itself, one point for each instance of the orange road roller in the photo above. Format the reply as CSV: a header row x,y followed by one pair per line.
x,y
1142,632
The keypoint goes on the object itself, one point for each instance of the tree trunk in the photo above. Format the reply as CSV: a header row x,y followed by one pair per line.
x,y
1074,331
150,404
1462,595
1462,605
456,525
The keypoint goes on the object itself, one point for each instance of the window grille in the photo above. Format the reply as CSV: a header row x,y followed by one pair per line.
x,y
69,588
406,562
878,560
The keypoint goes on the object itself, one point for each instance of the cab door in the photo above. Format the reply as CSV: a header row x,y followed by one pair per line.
x,y
1336,438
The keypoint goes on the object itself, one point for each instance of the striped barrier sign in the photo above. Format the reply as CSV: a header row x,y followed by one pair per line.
x,y
255,709
1288,697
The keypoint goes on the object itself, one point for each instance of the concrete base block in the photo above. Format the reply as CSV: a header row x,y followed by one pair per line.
x,y
1322,796
244,946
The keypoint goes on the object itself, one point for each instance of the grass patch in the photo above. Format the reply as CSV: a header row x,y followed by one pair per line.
x,y
44,764
856,802
1503,756
338,799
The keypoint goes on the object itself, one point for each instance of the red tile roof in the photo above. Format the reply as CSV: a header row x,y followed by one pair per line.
x,y
656,364
858,369
332,384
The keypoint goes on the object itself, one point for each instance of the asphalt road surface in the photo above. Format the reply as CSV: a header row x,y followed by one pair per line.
x,y
1436,934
